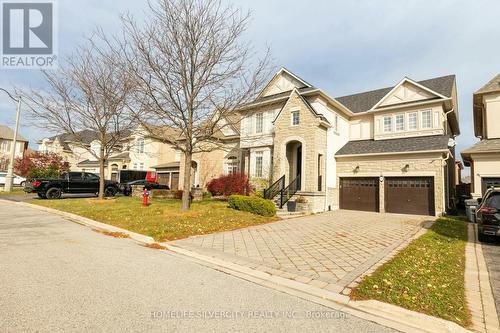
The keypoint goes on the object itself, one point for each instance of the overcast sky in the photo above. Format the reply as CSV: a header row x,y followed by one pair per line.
x,y
342,47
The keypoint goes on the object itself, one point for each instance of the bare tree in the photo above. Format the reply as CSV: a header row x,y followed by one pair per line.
x,y
194,68
89,94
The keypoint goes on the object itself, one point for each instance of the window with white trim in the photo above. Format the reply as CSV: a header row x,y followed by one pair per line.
x,y
232,165
295,118
336,123
177,156
259,156
400,122
135,166
141,166
427,119
387,124
259,122
412,121
139,145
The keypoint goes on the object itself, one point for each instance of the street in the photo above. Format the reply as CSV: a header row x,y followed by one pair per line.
x,y
59,276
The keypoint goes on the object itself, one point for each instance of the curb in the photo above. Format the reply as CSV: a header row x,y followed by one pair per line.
x,y
87,222
381,313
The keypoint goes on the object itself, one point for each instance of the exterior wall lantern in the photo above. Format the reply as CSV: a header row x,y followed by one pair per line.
x,y
356,169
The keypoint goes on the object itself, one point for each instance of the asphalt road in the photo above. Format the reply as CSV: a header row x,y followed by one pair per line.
x,y
491,252
58,276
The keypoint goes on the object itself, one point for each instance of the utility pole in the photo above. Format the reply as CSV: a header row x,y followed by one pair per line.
x,y
10,170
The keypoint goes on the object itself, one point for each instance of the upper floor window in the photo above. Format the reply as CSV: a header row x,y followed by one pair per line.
x,y
258,164
427,119
336,123
387,124
139,145
95,146
400,122
295,118
259,122
177,156
412,121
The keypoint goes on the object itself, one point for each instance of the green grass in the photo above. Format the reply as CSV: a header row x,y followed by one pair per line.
x,y
163,219
427,276
15,191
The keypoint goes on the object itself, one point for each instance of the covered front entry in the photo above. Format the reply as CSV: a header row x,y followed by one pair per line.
x,y
409,195
359,194
294,159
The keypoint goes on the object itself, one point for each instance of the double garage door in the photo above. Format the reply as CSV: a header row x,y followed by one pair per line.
x,y
403,195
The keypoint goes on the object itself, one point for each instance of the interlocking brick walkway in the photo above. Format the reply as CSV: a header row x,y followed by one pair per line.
x,y
327,251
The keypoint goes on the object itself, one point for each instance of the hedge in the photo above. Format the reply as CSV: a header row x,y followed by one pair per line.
x,y
253,205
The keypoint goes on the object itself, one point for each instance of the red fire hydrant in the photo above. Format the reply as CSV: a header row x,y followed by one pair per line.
x,y
145,196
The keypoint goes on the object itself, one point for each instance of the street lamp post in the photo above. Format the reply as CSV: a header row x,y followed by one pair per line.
x,y
9,178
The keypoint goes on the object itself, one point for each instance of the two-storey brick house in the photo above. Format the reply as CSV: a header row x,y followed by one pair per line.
x,y
386,150
484,156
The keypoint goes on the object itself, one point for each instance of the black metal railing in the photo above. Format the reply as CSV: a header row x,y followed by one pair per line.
x,y
289,191
275,188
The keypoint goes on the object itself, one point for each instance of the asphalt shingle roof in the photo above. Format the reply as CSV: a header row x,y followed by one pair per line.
x,y
492,85
414,144
366,100
484,146
8,133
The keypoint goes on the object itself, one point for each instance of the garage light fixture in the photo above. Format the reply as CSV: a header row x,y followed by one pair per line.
x,y
356,169
405,168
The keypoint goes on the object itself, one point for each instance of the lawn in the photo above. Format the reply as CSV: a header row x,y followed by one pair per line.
x,y
15,191
163,219
427,276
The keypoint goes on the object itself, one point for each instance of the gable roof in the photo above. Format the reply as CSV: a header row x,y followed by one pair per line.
x,y
402,145
491,86
307,104
284,70
364,101
477,103
8,133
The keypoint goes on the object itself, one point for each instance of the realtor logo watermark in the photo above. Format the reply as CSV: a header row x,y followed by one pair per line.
x,y
28,35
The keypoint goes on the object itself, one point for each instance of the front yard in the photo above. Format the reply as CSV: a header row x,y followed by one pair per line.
x,y
163,220
427,276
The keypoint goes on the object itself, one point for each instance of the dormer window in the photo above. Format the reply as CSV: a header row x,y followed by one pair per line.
x,y
295,118
388,124
427,119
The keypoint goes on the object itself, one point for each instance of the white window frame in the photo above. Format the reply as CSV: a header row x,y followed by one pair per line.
x,y
259,122
396,124
141,166
232,165
292,117
135,165
259,169
336,123
410,115
139,145
384,128
424,125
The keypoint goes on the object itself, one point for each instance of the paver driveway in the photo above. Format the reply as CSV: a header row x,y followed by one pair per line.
x,y
329,250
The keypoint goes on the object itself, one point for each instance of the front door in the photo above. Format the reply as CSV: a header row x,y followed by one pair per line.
x,y
299,165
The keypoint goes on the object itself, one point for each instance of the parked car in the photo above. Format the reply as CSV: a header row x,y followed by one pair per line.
x,y
126,189
488,215
71,182
18,180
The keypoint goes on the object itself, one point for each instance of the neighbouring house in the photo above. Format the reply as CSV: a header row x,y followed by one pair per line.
x,y
484,156
6,141
386,150
74,148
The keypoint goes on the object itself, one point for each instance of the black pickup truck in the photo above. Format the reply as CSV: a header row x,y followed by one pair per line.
x,y
71,182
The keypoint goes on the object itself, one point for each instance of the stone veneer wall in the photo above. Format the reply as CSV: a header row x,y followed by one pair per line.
x,y
391,166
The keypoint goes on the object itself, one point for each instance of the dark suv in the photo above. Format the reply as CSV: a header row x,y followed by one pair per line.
x,y
488,215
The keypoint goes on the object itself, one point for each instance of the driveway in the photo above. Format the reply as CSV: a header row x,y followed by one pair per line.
x,y
328,251
59,276
491,252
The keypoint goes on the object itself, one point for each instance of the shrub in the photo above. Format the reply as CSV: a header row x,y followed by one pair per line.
x,y
40,165
253,205
229,184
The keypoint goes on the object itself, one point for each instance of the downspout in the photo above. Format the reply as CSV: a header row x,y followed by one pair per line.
x,y
327,173
446,179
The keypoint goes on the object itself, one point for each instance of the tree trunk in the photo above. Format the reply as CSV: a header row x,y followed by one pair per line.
x,y
101,174
186,187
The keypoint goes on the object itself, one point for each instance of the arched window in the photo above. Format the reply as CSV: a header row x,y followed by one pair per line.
x,y
232,165
95,146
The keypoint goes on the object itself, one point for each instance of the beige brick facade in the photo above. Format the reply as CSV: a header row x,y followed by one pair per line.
x,y
420,165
